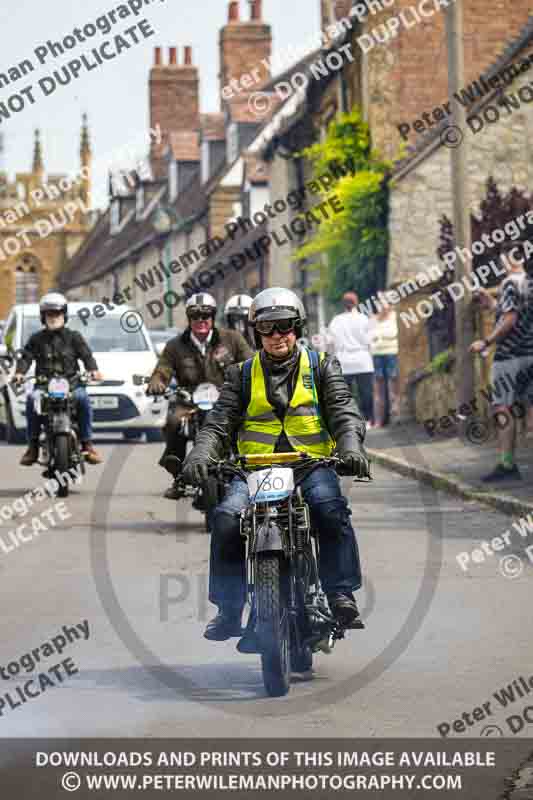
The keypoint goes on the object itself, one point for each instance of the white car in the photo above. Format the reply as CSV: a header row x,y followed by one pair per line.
x,y
119,405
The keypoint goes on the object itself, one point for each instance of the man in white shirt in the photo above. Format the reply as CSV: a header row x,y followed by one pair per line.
x,y
350,334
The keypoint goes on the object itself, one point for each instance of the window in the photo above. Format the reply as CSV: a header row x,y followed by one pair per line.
x,y
173,180
233,143
205,161
139,202
114,216
103,335
26,285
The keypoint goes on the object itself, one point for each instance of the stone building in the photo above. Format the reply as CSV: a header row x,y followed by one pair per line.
x,y
43,220
395,80
498,143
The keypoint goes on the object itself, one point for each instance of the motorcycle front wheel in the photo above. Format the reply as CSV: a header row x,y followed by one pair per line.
x,y
62,460
272,627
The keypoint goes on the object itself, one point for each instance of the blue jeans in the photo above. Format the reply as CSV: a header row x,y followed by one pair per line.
x,y
85,416
340,569
386,366
364,382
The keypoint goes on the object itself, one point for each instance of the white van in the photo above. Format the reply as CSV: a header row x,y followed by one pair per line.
x,y
118,404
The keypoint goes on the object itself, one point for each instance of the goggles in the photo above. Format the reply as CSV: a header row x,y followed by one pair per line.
x,y
268,326
197,314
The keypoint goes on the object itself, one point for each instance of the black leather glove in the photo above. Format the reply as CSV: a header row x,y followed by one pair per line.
x,y
357,464
195,472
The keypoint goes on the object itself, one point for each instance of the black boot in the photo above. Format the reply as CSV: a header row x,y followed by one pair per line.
x,y
225,625
174,492
31,456
344,609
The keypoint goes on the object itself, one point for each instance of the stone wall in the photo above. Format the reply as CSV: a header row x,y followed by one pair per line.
x,y
426,397
420,196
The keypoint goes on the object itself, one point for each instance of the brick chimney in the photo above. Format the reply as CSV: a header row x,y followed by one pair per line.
x,y
244,43
174,100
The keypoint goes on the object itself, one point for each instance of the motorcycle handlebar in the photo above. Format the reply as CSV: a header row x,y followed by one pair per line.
x,y
83,377
279,459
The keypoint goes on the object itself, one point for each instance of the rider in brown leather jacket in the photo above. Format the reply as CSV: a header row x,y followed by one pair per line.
x,y
199,355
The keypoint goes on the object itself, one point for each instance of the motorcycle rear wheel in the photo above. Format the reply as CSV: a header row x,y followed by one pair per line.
x,y
62,460
272,626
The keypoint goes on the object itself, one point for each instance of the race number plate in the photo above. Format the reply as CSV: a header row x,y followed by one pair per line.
x,y
58,387
267,485
205,396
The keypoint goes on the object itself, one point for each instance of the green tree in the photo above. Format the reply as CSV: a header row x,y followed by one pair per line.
x,y
355,240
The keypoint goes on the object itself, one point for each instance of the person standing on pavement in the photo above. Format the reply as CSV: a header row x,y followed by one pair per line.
x,y
384,349
350,334
513,357
199,355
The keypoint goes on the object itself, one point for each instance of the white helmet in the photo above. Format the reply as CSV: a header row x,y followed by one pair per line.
x,y
238,306
201,302
53,301
277,303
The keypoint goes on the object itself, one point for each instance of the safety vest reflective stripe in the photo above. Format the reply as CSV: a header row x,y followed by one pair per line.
x,y
256,436
302,411
312,438
267,416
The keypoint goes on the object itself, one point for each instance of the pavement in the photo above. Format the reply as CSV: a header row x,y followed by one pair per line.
x,y
446,462
134,567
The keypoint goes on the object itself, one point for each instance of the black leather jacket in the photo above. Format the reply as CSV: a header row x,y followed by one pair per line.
x,y
338,408
56,352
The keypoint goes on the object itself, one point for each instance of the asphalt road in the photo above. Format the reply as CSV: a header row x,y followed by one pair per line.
x,y
438,642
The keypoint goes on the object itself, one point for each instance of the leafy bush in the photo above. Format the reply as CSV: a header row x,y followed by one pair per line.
x,y
443,362
355,239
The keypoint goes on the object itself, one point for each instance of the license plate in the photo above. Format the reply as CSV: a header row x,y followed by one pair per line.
x,y
104,402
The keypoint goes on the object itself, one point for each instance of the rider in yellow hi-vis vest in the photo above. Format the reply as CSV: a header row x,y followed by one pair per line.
x,y
302,424
285,398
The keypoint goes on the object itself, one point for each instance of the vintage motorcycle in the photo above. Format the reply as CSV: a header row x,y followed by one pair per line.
x,y
59,441
191,408
290,619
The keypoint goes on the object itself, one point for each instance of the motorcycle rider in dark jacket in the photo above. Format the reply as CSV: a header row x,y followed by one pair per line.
x,y
199,355
56,349
279,370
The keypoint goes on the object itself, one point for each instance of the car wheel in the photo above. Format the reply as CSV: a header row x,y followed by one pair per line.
x,y
132,436
13,435
154,435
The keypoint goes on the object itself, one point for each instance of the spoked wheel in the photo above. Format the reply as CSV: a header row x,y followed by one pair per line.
x,y
62,461
272,626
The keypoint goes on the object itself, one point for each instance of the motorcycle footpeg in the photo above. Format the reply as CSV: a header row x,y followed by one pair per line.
x,y
357,624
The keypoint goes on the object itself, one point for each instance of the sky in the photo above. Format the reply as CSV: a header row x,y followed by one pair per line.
x,y
114,94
